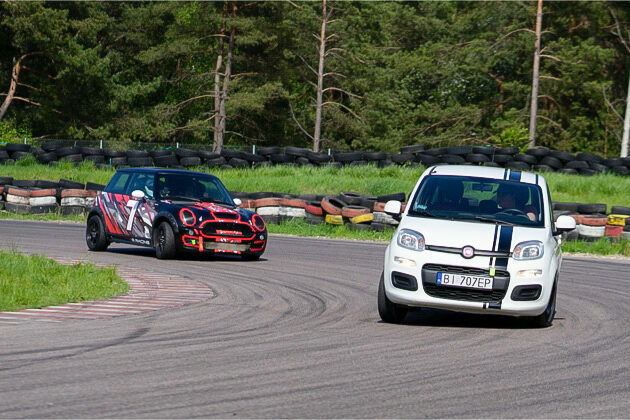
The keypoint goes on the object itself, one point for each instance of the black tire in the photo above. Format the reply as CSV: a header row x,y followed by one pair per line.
x,y
138,162
164,241
545,319
94,158
114,153
190,161
620,170
477,158
301,161
620,210
119,161
570,171
20,155
68,150
427,160
563,156
296,151
67,184
389,311
280,158
492,164
598,167
166,160
91,186
90,151
238,163
387,197
539,152
95,234
42,183
216,162
52,145
184,153
501,159
319,157
613,162
229,154
511,150
25,183
542,168
18,147
585,172
459,150
522,157
577,164
518,166
566,206
348,156
589,157
452,159
402,158
435,151
47,157
584,208
269,150
483,150
551,161
351,198
251,158
134,154
73,158
157,153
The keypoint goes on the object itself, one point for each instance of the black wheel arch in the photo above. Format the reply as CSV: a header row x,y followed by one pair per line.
x,y
165,216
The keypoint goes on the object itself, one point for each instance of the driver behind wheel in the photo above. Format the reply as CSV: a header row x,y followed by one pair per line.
x,y
515,198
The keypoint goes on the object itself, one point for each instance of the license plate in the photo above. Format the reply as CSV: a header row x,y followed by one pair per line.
x,y
224,246
463,280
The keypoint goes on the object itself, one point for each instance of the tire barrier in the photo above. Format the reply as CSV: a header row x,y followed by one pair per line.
x,y
39,196
70,197
537,159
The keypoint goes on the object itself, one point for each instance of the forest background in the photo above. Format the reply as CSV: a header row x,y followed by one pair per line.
x,y
394,73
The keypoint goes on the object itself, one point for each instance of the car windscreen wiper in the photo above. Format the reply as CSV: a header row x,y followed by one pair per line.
x,y
180,198
213,200
422,213
491,220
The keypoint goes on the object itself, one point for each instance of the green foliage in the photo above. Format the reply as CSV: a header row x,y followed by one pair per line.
x,y
9,133
436,73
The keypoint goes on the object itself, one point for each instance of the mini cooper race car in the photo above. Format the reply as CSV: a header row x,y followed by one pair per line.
x,y
171,211
477,240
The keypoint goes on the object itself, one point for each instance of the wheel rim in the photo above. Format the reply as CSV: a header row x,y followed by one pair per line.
x,y
93,233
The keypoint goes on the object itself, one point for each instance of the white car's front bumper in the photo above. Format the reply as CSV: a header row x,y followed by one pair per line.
x,y
466,300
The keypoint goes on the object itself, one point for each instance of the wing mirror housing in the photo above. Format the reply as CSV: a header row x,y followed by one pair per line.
x,y
237,201
138,195
564,224
393,208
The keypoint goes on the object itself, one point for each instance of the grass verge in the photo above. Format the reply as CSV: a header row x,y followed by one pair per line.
x,y
603,188
36,282
603,246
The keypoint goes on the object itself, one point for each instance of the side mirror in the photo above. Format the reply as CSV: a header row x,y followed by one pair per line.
x,y
237,201
564,224
137,195
393,208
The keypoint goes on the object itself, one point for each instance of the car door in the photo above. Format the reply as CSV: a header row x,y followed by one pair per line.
x,y
112,202
140,213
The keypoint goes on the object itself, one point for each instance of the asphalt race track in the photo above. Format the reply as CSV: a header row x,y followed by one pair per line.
x,y
297,334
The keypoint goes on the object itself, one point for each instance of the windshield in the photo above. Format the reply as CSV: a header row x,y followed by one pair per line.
x,y
482,199
192,187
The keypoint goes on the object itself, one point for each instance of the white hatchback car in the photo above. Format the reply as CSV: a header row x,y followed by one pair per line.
x,y
474,239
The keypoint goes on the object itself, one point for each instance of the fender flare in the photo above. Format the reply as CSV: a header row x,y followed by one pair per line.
x,y
165,216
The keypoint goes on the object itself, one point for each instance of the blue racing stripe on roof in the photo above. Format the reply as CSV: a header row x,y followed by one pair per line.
x,y
515,176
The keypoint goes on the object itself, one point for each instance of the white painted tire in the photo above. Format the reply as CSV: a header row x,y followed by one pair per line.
x,y
591,231
268,211
17,199
89,202
625,235
291,212
43,201
382,217
73,201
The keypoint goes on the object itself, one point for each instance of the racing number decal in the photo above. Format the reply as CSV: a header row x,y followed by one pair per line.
x,y
134,209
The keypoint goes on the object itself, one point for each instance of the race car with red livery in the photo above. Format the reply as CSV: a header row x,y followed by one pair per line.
x,y
174,211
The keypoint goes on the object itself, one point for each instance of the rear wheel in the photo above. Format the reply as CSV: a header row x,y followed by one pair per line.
x,y
388,310
164,241
545,319
95,234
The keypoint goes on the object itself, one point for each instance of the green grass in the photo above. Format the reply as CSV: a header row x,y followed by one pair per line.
x,y
613,190
604,246
35,282
301,228
46,217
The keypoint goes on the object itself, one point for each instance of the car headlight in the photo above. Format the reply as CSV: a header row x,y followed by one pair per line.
x,y
530,250
410,239
187,217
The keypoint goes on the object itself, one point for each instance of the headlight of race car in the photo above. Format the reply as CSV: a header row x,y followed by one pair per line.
x,y
530,250
410,239
258,222
187,217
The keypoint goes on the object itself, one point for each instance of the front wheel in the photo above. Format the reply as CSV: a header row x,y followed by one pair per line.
x,y
545,319
164,241
95,234
388,310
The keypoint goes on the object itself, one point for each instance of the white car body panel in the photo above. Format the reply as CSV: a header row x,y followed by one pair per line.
x,y
482,237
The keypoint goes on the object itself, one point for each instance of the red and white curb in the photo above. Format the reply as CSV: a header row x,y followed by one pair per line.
x,y
148,292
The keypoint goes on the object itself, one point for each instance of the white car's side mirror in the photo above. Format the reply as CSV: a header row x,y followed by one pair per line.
x,y
237,201
137,195
564,224
393,207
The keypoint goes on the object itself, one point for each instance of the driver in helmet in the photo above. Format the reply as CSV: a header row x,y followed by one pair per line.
x,y
514,198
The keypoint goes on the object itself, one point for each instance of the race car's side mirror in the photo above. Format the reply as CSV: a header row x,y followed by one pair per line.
x,y
393,208
564,224
237,201
138,195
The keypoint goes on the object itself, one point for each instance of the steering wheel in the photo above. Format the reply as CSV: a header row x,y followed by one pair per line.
x,y
513,212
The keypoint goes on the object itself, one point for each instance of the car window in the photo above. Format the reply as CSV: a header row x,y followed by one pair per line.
x,y
143,182
482,199
118,183
192,186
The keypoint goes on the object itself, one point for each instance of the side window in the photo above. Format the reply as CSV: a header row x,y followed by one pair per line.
x,y
118,183
551,223
142,182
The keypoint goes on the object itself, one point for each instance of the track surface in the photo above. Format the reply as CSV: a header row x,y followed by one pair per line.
x,y
297,335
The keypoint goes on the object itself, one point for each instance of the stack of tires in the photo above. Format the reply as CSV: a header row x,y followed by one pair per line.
x,y
593,222
354,210
618,225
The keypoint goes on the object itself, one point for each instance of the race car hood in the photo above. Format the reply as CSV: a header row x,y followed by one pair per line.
x,y
479,235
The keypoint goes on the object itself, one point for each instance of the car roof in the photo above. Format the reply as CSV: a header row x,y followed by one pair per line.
x,y
164,171
486,172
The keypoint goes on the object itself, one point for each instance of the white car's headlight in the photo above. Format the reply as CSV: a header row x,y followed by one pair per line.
x,y
410,239
530,250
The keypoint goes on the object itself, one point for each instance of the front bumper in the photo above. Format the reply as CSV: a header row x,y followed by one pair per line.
x,y
224,244
512,294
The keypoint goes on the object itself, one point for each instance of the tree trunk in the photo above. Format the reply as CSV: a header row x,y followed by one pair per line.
x,y
626,125
218,146
320,81
217,77
534,106
15,74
